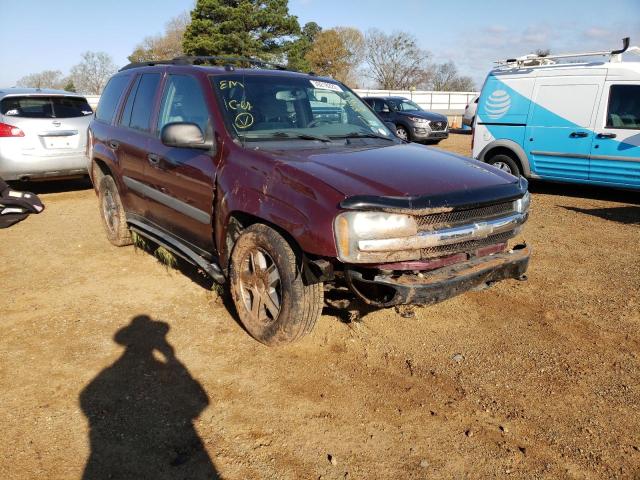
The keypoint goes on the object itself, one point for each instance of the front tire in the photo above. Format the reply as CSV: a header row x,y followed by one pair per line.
x,y
113,217
272,299
403,133
505,163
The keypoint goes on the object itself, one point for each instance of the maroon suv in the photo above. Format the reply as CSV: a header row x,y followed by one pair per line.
x,y
286,184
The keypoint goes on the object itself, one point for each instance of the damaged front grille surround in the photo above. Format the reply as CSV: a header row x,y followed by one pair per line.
x,y
378,230
459,217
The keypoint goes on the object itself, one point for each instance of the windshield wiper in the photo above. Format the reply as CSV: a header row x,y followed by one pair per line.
x,y
363,135
302,136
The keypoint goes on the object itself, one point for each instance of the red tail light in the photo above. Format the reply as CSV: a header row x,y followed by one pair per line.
x,y
10,131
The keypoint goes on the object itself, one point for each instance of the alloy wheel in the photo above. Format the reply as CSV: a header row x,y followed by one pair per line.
x,y
260,286
402,133
110,211
503,166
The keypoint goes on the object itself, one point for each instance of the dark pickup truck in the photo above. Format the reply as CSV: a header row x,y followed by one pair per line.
x,y
285,184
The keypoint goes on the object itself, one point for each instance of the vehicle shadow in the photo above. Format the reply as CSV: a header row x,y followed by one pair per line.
x,y
141,411
585,191
629,215
53,186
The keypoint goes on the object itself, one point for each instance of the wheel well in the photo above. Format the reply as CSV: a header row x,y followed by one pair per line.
x,y
503,151
239,221
99,170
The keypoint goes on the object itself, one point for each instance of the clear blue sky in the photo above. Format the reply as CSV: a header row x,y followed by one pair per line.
x,y
41,35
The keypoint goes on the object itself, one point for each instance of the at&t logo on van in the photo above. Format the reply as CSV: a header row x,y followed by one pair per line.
x,y
498,104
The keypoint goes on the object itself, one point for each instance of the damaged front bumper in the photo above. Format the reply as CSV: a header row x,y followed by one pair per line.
x,y
386,289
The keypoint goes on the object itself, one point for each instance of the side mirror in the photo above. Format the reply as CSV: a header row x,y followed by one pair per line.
x,y
184,135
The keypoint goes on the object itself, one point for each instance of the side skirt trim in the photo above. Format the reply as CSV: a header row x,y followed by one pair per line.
x,y
178,248
171,202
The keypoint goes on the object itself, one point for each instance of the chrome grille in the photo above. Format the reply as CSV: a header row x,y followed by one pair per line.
x,y
468,246
461,217
438,126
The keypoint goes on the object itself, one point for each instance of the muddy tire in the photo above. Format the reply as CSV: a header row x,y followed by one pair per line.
x,y
112,213
272,299
505,163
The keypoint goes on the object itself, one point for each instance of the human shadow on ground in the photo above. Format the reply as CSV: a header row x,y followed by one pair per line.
x,y
141,411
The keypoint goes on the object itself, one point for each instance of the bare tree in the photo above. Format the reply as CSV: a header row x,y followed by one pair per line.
x,y
44,79
91,74
395,61
445,78
165,46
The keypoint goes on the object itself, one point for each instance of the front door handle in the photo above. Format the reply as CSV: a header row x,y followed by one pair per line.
x,y
153,158
606,135
579,134
113,144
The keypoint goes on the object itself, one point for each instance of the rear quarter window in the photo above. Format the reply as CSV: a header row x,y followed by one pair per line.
x,y
111,97
624,107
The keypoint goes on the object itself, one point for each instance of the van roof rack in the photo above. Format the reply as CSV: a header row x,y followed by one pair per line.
x,y
227,62
532,60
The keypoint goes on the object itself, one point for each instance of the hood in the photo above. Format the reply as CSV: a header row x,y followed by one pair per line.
x,y
436,117
404,170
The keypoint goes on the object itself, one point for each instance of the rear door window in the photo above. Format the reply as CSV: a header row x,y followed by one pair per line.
x,y
143,103
624,107
110,98
45,107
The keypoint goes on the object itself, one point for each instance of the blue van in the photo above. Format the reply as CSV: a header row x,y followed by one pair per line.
x,y
568,122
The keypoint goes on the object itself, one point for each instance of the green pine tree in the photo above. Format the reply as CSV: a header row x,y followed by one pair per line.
x,y
253,28
69,86
297,52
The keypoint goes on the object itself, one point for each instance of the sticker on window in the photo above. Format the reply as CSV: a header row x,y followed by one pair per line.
x,y
326,86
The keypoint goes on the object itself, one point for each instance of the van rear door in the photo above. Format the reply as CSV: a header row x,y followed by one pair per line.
x,y
560,128
615,155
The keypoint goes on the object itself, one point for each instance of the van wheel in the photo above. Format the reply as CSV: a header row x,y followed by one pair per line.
x,y
505,163
273,302
112,213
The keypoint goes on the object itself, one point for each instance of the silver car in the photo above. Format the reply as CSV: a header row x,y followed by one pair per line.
x,y
43,134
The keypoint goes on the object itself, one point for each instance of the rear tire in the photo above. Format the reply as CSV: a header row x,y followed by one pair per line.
x,y
113,217
274,303
505,163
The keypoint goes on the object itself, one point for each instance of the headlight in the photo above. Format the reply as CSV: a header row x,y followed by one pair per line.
x,y
419,121
351,227
522,204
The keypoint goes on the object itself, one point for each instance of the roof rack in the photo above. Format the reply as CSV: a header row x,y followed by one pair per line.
x,y
536,60
227,62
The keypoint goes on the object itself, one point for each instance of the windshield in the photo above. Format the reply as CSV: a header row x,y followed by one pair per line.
x,y
404,105
45,107
260,107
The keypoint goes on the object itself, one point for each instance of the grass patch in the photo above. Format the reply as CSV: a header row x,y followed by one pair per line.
x,y
165,257
139,242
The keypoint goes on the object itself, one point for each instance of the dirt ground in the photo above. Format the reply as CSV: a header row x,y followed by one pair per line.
x,y
536,379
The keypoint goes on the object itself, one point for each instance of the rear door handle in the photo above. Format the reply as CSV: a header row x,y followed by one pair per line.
x,y
606,135
153,158
113,144
579,134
